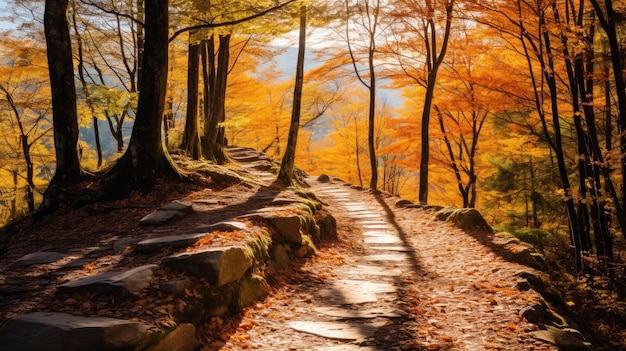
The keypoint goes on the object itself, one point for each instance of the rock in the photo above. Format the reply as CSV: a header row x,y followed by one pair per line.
x,y
121,244
183,338
171,211
289,226
280,258
42,257
113,283
327,225
219,265
537,281
64,332
170,241
159,217
540,313
252,288
177,206
228,226
523,285
464,218
323,178
306,249
175,287
525,255
338,330
565,338
360,313
404,203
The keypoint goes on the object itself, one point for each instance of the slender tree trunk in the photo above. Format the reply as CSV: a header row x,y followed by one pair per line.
x,y
357,151
435,59
286,173
608,20
85,88
140,41
372,112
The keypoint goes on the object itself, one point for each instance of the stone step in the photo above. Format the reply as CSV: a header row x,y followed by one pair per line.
x,y
64,332
112,283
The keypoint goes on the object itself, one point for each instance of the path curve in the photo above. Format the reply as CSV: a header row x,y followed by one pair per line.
x,y
397,280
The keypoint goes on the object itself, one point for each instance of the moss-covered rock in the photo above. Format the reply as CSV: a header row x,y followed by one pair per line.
x,y
251,289
464,218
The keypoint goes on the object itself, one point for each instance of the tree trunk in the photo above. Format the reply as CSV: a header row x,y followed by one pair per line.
x,y
65,120
608,22
217,75
191,138
286,174
85,88
146,159
434,62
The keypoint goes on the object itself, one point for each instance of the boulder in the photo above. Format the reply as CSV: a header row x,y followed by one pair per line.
x,y
251,289
464,218
323,178
64,332
327,225
219,265
289,226
403,203
113,283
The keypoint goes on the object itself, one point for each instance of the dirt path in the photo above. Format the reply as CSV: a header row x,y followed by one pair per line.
x,y
396,280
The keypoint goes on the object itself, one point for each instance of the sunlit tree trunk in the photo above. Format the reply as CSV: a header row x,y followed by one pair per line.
x,y
371,17
433,61
286,173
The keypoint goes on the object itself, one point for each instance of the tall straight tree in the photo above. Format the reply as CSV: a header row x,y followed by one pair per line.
x,y
191,138
368,19
146,158
286,175
65,120
608,18
434,58
421,59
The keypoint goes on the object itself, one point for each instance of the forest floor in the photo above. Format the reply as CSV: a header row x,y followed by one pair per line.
x,y
454,293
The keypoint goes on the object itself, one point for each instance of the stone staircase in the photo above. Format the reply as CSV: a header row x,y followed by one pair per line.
x,y
210,280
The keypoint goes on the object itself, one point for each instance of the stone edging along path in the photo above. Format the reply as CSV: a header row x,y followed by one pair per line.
x,y
350,311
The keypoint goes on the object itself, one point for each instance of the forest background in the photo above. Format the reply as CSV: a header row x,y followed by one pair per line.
x,y
516,108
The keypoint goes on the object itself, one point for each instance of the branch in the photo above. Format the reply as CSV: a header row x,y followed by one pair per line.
x,y
229,23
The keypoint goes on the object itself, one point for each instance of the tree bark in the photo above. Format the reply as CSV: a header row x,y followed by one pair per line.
x,y
434,62
286,174
191,138
65,119
146,159
217,77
